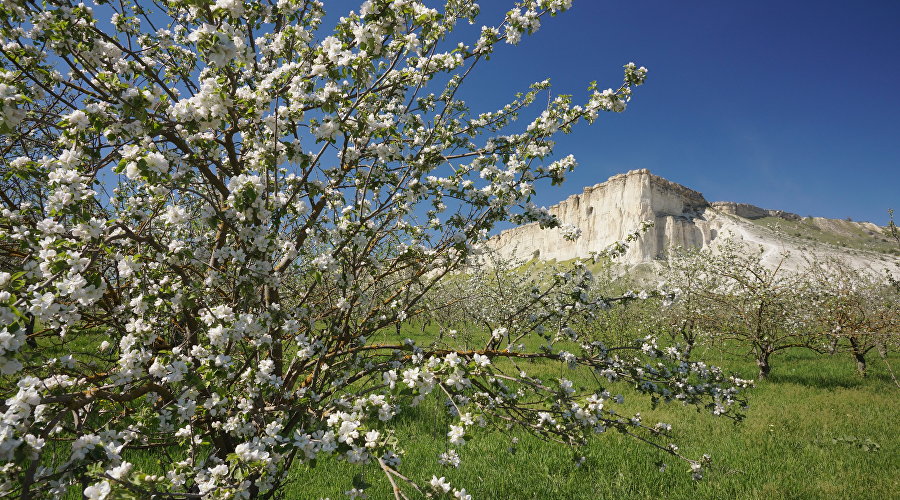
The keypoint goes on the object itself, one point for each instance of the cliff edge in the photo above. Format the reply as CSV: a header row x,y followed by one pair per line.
x,y
607,212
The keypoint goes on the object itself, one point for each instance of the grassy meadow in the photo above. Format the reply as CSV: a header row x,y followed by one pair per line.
x,y
839,233
815,429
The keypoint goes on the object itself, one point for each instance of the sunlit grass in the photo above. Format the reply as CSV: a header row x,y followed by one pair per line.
x,y
843,234
814,430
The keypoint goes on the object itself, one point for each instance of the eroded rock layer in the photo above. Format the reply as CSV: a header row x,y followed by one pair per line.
x,y
607,212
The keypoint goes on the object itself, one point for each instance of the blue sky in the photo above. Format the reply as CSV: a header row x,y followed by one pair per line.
x,y
786,105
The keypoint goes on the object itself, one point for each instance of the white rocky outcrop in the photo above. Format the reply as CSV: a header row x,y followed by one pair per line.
x,y
748,211
607,212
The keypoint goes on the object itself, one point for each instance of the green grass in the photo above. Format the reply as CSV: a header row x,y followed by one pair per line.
x,y
811,432
845,234
814,430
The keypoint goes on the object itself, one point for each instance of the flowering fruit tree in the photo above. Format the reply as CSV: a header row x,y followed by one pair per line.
x,y
211,209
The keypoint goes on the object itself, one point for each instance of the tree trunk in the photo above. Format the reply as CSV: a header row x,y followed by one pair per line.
x,y
763,363
688,349
860,363
271,296
882,349
832,348
860,356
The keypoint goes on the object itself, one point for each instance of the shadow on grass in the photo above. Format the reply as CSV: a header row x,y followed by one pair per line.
x,y
829,382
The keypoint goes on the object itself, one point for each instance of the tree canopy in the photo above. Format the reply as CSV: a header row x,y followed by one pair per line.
x,y
213,212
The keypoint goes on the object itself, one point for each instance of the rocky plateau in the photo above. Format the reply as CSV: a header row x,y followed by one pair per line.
x,y
607,212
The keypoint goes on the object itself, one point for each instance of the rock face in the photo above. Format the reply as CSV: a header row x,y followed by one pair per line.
x,y
607,212
751,212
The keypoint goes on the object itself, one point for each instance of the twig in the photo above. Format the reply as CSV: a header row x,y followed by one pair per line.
x,y
890,370
398,494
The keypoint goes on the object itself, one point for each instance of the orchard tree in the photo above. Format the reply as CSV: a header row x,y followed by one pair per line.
x,y
210,209
508,301
852,309
690,314
758,306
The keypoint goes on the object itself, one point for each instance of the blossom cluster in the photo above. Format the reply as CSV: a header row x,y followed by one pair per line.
x,y
217,214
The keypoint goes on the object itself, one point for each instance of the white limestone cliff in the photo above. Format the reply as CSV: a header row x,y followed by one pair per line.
x,y
609,211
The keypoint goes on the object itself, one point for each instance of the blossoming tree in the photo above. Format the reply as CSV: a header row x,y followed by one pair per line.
x,y
755,306
854,310
209,208
692,314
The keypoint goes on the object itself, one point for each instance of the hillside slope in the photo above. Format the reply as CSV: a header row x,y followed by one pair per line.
x,y
609,211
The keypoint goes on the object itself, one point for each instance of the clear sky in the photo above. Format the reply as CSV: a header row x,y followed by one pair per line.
x,y
791,105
